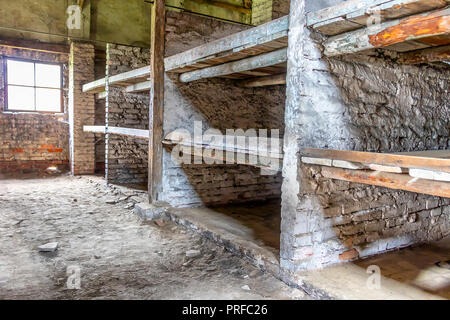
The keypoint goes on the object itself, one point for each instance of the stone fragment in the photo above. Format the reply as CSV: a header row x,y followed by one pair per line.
x,y
48,247
246,288
193,253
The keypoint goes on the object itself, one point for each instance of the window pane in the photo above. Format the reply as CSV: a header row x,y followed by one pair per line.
x,y
20,98
48,100
20,72
48,75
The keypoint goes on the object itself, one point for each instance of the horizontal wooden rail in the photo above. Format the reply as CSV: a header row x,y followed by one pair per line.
x,y
255,62
390,180
136,133
419,27
387,159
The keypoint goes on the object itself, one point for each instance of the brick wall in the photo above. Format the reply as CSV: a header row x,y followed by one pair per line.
x,y
32,142
81,108
365,103
280,8
128,157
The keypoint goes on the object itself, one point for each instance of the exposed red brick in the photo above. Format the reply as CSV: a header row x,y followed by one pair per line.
x,y
349,254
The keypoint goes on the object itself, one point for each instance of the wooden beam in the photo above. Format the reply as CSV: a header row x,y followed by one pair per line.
x,y
355,14
389,159
426,55
264,81
231,44
224,6
156,110
124,78
139,87
35,46
130,132
255,62
417,28
390,180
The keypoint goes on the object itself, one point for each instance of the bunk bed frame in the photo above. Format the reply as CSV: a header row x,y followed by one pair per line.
x,y
419,30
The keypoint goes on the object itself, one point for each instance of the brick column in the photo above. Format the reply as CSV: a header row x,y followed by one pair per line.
x,y
81,108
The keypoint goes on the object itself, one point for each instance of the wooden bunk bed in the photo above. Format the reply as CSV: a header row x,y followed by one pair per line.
x,y
426,172
418,29
253,53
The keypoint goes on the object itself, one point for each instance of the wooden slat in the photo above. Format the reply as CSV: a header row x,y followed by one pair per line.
x,y
352,15
397,160
224,152
156,110
137,133
233,43
139,87
423,28
390,180
264,60
125,78
264,81
340,10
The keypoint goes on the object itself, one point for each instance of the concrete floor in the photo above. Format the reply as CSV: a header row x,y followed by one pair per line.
x,y
120,256
406,274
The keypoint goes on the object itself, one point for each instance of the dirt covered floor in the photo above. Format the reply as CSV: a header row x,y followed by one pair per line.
x,y
118,255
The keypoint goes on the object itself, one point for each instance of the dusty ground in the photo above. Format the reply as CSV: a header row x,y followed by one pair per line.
x,y
119,256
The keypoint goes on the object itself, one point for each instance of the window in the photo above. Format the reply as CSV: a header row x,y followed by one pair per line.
x,y
33,86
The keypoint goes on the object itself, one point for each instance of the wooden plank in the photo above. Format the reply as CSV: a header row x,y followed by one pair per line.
x,y
418,28
156,110
340,10
137,133
233,43
35,46
224,152
396,160
426,55
264,60
352,15
429,174
264,81
132,76
390,180
139,87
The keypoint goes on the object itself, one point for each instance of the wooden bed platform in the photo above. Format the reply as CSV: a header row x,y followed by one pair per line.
x,y
256,52
425,172
419,26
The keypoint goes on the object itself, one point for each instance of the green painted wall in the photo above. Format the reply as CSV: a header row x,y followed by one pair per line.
x,y
118,21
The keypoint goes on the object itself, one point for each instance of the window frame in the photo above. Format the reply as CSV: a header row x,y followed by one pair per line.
x,y
6,85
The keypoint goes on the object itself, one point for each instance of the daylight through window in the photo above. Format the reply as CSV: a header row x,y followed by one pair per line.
x,y
33,86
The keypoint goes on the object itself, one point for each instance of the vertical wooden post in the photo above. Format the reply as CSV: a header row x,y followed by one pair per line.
x,y
156,110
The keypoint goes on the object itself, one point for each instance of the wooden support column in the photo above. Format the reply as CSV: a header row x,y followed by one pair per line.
x,y
156,110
